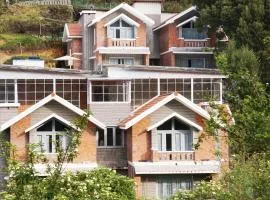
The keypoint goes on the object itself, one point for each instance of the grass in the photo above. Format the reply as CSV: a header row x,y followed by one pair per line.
x,y
14,42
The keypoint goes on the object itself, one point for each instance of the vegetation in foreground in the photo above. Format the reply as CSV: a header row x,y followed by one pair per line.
x,y
98,184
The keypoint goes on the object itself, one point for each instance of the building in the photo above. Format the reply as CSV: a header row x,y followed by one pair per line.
x,y
145,118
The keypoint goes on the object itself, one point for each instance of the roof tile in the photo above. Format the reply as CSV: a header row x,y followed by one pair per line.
x,y
75,29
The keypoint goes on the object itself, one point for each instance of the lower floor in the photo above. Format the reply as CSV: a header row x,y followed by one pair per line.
x,y
163,186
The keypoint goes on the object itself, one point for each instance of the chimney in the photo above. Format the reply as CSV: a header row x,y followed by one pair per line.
x,y
86,16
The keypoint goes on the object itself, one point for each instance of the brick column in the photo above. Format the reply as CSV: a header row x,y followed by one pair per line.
x,y
172,59
146,60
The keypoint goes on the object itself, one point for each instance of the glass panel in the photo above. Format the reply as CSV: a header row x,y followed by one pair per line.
x,y
159,142
125,24
46,127
166,125
49,144
109,136
177,142
178,125
168,142
101,137
40,142
116,24
118,137
59,126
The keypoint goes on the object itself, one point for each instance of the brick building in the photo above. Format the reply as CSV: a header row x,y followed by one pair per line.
x,y
146,76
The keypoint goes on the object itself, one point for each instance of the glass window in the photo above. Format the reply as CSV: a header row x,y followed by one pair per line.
x,y
188,31
177,136
7,91
110,91
51,136
112,137
121,29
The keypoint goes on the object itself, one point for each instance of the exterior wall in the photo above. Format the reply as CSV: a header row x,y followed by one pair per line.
x,y
138,59
139,148
18,137
110,113
9,113
115,158
180,59
101,31
76,47
167,59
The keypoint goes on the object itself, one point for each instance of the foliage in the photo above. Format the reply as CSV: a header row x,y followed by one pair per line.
x,y
247,22
247,180
176,5
24,182
249,102
43,20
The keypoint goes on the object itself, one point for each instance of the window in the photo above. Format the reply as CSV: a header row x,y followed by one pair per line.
x,y
194,63
51,136
168,185
111,137
121,29
7,91
182,86
174,135
188,31
121,61
110,91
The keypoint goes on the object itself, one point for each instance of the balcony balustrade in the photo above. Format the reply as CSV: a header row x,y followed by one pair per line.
x,y
175,156
121,42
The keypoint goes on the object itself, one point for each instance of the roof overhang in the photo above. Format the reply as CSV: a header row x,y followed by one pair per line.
x,y
172,20
123,50
183,167
61,119
174,96
66,35
194,18
44,101
125,18
178,116
129,9
41,169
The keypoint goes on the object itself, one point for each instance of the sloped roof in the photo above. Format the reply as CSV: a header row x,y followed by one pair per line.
x,y
175,17
74,29
44,101
129,9
157,102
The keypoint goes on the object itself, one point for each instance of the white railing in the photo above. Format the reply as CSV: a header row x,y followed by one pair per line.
x,y
176,156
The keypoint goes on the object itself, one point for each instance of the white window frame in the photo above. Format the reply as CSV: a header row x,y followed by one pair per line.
x,y
44,135
6,102
123,59
126,94
204,62
173,133
120,27
114,138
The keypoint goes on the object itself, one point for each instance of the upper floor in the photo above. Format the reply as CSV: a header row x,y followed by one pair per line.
x,y
133,35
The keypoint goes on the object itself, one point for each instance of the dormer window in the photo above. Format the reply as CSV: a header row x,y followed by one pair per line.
x,y
122,27
122,30
189,31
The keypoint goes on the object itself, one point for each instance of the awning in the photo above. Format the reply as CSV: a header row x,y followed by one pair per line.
x,y
183,167
66,58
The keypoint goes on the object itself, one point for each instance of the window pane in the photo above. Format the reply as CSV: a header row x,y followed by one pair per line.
x,y
40,142
159,142
101,137
59,126
118,136
178,125
168,142
49,143
116,24
177,142
166,126
109,136
46,127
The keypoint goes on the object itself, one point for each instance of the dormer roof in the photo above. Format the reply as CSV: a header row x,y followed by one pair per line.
x,y
127,8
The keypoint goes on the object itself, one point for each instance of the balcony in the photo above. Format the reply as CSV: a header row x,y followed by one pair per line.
x,y
174,156
121,42
196,43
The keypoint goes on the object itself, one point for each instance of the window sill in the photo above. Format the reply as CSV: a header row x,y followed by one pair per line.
x,y
108,102
2,105
111,147
123,38
175,151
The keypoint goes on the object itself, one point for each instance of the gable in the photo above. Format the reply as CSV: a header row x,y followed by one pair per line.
x,y
50,98
126,9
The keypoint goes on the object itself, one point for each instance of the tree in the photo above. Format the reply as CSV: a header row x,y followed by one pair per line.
x,y
247,22
99,184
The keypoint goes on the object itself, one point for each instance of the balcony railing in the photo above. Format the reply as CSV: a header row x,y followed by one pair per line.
x,y
193,34
195,43
175,156
122,42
